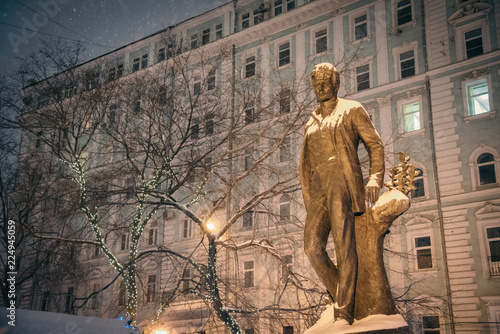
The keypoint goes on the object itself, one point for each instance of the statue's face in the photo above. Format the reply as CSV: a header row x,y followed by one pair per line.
x,y
324,89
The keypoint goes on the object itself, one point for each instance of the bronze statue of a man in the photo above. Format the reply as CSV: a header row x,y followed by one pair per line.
x,y
332,184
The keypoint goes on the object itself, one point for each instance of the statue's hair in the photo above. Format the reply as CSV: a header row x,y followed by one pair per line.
x,y
324,71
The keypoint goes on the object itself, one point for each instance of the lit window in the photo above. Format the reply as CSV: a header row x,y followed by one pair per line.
x,y
403,12
493,235
407,63
248,219
478,97
218,31
410,116
245,20
278,7
125,241
153,236
284,54
320,41
194,41
285,101
286,268
161,54
144,61
250,67
360,27
423,251
486,169
474,43
430,324
285,150
284,208
363,77
211,80
419,184
249,113
249,274
135,64
150,293
197,85
205,37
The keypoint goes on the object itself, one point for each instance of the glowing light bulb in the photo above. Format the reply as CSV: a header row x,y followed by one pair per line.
x,y
211,226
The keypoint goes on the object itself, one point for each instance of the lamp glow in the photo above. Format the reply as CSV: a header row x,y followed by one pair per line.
x,y
211,226
161,331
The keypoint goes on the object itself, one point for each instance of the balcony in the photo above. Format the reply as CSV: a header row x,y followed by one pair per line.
x,y
494,262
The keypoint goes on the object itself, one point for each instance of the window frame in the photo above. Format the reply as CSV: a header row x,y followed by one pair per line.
x,y
281,61
466,84
125,241
285,102
248,220
431,329
285,203
151,289
353,25
460,32
252,63
474,168
486,217
250,116
249,274
285,150
356,76
400,105
315,40
219,31
187,228
205,36
396,16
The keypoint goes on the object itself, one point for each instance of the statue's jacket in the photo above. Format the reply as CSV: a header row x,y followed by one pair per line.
x,y
348,123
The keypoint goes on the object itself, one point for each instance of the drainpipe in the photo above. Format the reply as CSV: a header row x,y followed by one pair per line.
x,y
449,301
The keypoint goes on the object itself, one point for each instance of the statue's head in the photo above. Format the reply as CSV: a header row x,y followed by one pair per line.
x,y
326,81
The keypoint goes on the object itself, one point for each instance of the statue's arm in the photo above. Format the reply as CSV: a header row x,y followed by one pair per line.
x,y
305,173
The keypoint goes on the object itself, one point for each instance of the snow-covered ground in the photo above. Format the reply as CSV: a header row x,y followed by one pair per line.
x,y
39,322
325,324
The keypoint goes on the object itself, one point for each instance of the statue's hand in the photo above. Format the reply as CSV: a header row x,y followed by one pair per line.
x,y
372,191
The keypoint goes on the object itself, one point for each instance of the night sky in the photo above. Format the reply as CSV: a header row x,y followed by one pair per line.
x,y
102,25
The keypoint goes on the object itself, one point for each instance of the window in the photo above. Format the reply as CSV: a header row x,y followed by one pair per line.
x,y
112,114
195,129
162,54
38,141
209,124
150,293
122,293
125,239
474,43
486,169
186,278
278,7
248,267
290,4
284,208
360,27
170,49
205,37
249,113
211,80
403,12
248,219
153,236
249,331
70,90
320,38
430,324
194,41
257,17
248,159
144,61
285,101
137,104
286,268
287,329
91,80
114,73
285,150
410,116
135,64
478,97
97,251
218,31
94,303
493,235
245,20
45,302
69,300
250,67
419,184
407,63
284,54
197,85
363,77
423,252
187,228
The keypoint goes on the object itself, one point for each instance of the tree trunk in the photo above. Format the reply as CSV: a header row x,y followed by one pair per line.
x,y
373,293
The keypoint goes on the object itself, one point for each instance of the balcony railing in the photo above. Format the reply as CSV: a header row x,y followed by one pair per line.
x,y
494,262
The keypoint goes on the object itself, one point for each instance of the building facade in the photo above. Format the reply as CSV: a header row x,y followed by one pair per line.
x,y
428,74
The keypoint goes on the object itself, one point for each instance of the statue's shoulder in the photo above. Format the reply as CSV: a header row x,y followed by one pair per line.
x,y
349,104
